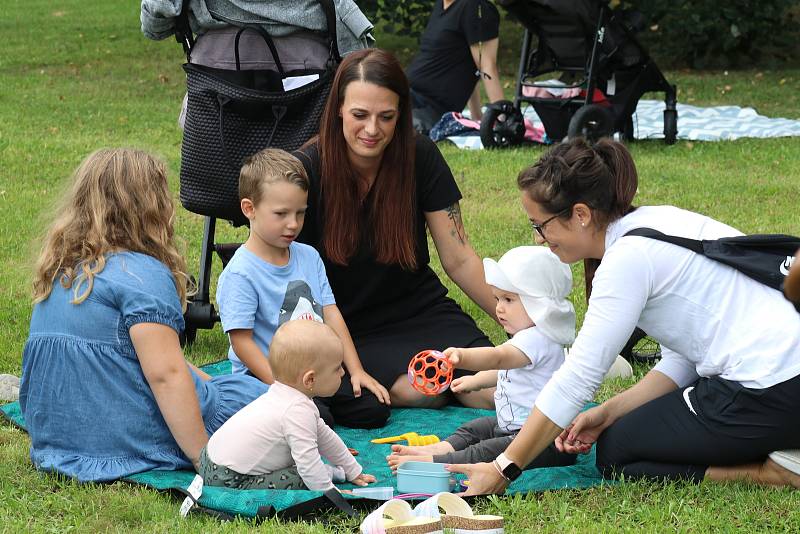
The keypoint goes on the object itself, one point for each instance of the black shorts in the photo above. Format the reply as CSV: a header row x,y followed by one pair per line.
x,y
710,422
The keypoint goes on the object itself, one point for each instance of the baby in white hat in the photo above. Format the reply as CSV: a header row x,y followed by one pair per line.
x,y
531,286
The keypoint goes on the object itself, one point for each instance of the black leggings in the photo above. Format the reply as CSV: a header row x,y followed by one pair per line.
x,y
711,422
481,440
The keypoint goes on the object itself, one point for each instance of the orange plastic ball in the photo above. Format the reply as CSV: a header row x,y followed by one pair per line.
x,y
430,372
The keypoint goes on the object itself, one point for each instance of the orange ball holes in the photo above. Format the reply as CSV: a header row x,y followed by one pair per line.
x,y
430,373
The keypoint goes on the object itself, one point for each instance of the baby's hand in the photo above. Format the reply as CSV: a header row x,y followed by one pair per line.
x,y
453,355
465,384
363,479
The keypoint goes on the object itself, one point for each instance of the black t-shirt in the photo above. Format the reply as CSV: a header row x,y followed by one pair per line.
x,y
370,294
444,71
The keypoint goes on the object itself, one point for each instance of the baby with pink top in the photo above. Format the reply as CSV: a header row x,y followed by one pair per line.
x,y
278,440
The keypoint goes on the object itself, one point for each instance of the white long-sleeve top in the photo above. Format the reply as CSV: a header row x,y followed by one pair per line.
x,y
279,429
710,319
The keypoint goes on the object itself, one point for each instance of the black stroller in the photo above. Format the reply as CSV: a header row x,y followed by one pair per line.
x,y
594,49
230,115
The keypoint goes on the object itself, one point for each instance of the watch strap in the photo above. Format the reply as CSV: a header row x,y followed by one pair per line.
x,y
503,461
509,469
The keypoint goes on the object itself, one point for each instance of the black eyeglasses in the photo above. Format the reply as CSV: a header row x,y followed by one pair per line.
x,y
540,227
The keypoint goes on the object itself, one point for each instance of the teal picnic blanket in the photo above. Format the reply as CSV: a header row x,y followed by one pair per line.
x,y
372,457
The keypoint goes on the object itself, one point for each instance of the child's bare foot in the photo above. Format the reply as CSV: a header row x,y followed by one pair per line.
x,y
394,460
408,450
443,447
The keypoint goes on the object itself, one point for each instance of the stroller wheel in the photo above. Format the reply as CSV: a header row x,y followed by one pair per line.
x,y
502,125
641,348
670,126
591,122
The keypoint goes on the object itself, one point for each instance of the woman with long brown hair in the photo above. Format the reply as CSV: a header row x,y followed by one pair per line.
x,y
375,187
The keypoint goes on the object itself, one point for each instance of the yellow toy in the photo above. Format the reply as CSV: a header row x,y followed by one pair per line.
x,y
412,438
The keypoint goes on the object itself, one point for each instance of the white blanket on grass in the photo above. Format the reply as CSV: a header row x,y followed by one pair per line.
x,y
695,123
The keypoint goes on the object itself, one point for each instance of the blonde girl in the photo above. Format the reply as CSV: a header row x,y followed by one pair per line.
x,y
106,391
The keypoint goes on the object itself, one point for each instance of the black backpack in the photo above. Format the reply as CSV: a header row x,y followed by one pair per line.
x,y
765,258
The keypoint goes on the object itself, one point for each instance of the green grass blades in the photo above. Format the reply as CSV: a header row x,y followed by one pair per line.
x,y
77,76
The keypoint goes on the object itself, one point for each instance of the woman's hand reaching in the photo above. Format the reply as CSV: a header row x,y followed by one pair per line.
x,y
484,478
579,436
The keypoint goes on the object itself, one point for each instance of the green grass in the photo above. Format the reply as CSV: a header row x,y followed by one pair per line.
x,y
76,76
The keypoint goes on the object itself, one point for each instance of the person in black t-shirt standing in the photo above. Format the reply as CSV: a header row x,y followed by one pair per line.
x,y
376,191
457,48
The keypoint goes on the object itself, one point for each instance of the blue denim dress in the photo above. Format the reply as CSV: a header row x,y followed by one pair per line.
x,y
88,408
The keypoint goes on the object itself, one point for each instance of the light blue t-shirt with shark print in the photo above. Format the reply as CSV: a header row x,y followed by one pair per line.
x,y
253,294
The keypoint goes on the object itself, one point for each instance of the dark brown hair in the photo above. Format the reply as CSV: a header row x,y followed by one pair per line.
x,y
392,203
601,175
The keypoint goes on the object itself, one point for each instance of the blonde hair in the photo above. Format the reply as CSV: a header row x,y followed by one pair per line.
x,y
267,167
119,201
300,345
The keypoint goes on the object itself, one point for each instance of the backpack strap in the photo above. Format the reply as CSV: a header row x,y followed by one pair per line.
x,y
330,19
692,244
336,498
183,30
764,258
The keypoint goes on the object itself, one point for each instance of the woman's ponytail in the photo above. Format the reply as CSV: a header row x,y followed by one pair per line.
x,y
624,178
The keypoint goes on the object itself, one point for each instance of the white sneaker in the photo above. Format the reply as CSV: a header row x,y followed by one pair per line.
x,y
788,459
620,369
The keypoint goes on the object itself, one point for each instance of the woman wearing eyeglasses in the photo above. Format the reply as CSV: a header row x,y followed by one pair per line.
x,y
722,403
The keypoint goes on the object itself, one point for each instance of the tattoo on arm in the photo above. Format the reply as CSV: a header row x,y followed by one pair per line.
x,y
454,214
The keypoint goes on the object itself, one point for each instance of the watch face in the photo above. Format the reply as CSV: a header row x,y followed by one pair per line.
x,y
512,471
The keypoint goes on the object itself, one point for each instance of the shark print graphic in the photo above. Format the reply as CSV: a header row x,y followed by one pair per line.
x,y
299,303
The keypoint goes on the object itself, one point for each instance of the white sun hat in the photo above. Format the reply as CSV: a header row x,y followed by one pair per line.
x,y
543,282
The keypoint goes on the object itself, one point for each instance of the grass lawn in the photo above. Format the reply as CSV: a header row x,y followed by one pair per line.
x,y
76,76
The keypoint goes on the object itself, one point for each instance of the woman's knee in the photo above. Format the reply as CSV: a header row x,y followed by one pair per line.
x,y
365,411
403,395
607,454
483,399
407,399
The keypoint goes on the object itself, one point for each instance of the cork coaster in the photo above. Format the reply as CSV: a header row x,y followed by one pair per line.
x,y
473,523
